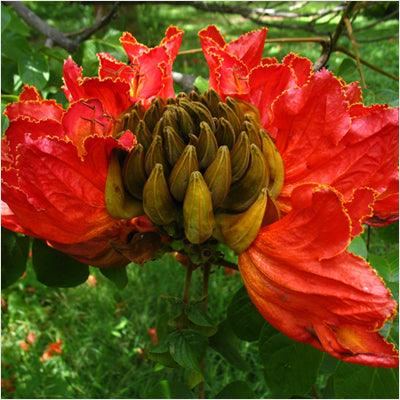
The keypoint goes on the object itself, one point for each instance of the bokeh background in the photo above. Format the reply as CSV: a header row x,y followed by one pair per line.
x,y
91,341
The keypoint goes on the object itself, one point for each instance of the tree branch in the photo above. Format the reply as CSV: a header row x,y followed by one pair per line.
x,y
323,59
54,34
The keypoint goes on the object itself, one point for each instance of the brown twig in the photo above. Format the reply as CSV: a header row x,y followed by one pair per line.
x,y
54,34
324,57
226,264
354,44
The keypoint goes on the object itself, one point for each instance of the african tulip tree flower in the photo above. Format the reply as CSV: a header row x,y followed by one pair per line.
x,y
340,161
281,164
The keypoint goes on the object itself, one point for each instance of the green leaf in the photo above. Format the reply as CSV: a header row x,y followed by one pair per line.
x,y
360,382
14,251
236,390
187,347
226,343
192,377
118,276
201,84
200,321
5,18
244,318
161,354
290,367
169,389
387,266
347,65
358,247
34,70
54,268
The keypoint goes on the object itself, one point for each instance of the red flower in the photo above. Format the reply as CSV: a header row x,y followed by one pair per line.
x,y
340,160
150,71
340,170
152,332
55,161
52,350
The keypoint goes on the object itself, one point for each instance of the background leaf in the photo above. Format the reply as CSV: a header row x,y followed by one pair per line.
x,y
34,70
290,367
236,390
116,275
226,343
14,254
187,347
244,318
360,382
54,268
358,247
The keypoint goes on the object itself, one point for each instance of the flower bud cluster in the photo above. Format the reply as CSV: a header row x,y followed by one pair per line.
x,y
201,164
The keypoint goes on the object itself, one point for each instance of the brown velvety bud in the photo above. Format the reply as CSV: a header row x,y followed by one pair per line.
x,y
229,114
180,174
245,191
211,99
157,201
198,213
133,172
143,135
252,130
119,203
174,145
198,112
207,145
275,163
225,133
239,230
240,156
155,154
218,176
153,114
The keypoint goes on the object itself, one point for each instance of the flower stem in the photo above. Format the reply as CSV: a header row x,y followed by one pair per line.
x,y
206,278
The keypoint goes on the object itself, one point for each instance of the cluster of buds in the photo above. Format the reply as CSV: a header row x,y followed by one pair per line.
x,y
202,168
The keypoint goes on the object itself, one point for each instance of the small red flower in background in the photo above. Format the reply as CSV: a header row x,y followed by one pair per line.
x,y
52,350
340,160
26,344
8,385
152,332
31,337
23,345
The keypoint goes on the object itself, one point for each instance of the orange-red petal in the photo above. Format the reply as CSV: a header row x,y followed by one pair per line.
x,y
29,93
249,47
301,66
59,195
34,109
266,83
303,282
322,140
